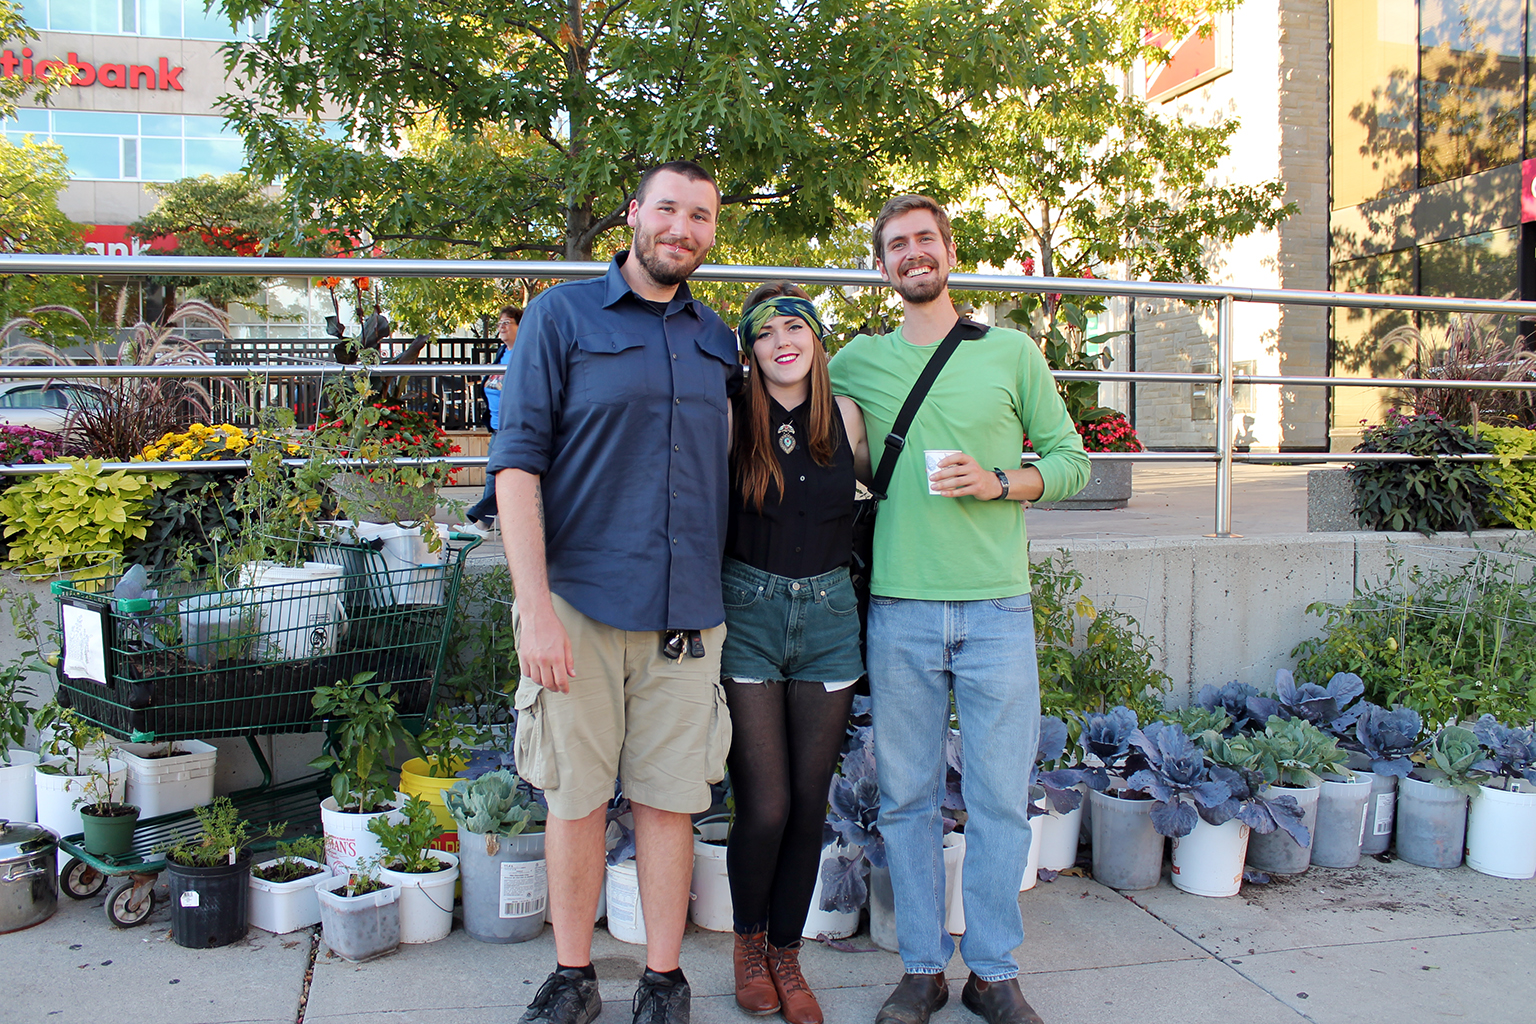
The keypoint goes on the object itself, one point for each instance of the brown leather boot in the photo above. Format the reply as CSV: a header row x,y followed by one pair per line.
x,y
755,990
796,1001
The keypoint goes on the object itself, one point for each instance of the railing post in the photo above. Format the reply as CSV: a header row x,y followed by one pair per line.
x,y
1224,419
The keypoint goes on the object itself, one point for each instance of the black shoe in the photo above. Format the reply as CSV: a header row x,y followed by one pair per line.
x,y
566,997
998,1002
917,997
659,1001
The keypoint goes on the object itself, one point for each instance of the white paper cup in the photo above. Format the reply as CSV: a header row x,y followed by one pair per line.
x,y
932,457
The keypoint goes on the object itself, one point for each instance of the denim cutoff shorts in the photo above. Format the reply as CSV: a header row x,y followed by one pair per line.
x,y
779,628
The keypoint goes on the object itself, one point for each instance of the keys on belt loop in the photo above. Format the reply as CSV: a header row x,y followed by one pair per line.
x,y
676,642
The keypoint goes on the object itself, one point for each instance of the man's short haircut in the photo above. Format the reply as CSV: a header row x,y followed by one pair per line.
x,y
906,204
687,168
513,313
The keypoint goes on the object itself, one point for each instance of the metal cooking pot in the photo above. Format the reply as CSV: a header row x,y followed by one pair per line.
x,y
29,888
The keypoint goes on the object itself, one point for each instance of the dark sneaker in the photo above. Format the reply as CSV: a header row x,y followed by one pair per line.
x,y
998,1002
659,1001
566,997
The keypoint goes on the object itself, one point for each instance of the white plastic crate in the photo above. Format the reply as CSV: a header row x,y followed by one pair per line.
x,y
162,785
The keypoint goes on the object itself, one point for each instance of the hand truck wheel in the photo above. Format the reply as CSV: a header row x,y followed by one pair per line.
x,y
80,881
130,903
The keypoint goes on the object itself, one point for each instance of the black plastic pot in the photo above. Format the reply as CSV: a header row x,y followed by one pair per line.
x,y
209,906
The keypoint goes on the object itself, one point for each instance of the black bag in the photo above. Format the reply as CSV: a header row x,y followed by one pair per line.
x,y
865,509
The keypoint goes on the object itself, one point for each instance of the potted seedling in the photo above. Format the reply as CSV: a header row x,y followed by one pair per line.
x,y
209,877
1386,741
283,887
501,856
1501,822
425,876
70,750
1432,801
107,823
359,913
1184,796
1342,796
365,729
1291,755
18,783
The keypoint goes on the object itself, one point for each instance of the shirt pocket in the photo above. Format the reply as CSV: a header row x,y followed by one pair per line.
x,y
713,369
612,369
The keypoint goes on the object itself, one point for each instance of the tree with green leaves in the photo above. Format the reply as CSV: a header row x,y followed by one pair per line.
x,y
547,111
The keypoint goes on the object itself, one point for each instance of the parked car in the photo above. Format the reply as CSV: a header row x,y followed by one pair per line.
x,y
45,405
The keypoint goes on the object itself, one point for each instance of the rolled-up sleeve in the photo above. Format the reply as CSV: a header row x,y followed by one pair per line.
x,y
530,412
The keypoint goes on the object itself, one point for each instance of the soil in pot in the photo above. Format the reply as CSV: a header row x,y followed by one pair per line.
x,y
209,906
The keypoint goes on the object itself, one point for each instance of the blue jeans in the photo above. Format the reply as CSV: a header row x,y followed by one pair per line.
x,y
485,508
985,651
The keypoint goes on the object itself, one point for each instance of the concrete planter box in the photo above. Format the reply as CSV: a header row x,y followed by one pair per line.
x,y
1109,486
1331,501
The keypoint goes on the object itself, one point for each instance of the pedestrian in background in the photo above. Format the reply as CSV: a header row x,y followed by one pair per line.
x,y
482,514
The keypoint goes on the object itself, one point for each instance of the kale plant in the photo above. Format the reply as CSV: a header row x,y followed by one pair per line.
x,y
853,819
1389,737
1176,777
1059,783
1334,707
1513,751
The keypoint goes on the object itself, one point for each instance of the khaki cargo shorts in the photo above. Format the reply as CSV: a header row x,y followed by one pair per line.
x,y
659,726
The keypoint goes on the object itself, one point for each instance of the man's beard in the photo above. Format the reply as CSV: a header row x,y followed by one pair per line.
x,y
921,290
664,272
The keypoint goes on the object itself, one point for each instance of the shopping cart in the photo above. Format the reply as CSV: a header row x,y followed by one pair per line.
x,y
158,656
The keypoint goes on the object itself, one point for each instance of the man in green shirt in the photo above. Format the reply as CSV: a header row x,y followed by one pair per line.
x,y
950,610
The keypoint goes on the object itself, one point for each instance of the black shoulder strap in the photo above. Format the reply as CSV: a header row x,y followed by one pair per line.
x,y
896,440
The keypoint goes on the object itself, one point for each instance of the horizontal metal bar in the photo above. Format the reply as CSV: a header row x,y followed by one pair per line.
x,y
1387,382
283,266
278,371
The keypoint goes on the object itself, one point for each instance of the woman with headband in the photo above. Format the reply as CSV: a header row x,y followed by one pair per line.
x,y
791,654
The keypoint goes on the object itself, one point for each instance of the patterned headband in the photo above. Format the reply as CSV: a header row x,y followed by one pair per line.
x,y
753,319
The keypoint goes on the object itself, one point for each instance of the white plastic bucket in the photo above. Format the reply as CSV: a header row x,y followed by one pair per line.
x,y
1032,865
1209,861
710,895
1501,831
56,796
216,627
402,571
298,609
426,901
164,785
1058,835
954,869
831,924
359,928
18,787
626,918
347,839
283,907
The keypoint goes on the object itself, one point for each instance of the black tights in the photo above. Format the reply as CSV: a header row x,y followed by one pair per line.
x,y
787,735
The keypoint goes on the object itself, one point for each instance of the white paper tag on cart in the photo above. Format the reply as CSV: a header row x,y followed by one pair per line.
x,y
190,898
85,655
524,888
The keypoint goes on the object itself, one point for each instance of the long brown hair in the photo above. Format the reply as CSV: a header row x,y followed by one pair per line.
x,y
756,450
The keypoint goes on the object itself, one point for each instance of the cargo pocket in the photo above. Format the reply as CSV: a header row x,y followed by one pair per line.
x,y
719,742
533,748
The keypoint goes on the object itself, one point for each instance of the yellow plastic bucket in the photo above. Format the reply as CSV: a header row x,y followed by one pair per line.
x,y
416,780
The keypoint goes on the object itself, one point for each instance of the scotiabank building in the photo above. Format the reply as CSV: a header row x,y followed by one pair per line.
x,y
140,107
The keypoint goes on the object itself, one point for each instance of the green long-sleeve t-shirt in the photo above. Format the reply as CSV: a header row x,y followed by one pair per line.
x,y
993,391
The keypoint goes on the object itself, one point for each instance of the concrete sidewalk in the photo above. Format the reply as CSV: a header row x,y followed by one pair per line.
x,y
1381,942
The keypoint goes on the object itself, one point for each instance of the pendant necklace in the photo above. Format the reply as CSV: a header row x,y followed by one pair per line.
x,y
786,437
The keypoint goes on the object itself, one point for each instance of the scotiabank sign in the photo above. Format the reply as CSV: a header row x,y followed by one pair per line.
x,y
84,74
116,240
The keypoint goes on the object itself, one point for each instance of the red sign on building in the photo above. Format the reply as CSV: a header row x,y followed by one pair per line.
x,y
84,73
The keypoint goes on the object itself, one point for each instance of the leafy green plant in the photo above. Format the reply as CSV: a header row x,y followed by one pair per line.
x,y
365,729
191,522
1424,496
1453,752
77,518
70,737
288,864
482,673
15,696
407,842
1515,496
1292,751
446,739
224,836
496,804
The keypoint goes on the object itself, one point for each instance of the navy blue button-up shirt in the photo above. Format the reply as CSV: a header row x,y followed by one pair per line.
x,y
622,413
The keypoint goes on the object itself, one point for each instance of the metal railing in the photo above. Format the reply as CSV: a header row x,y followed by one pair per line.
x,y
1224,296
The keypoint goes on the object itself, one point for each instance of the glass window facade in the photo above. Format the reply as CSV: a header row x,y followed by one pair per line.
x,y
168,19
119,146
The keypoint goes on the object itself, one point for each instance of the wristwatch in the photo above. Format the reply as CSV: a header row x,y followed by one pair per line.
x,y
1002,478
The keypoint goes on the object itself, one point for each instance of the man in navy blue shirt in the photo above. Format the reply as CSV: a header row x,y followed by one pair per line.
x,y
612,482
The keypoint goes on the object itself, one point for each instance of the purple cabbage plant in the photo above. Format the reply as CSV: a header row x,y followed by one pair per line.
x,y
1334,708
1059,783
1107,742
1512,750
1249,804
1176,777
854,818
1389,737
1247,709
